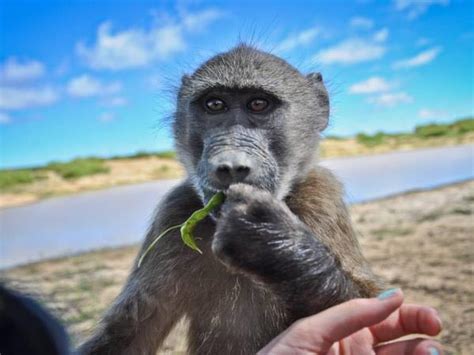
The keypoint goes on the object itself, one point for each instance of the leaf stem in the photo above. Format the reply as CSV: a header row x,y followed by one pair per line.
x,y
156,241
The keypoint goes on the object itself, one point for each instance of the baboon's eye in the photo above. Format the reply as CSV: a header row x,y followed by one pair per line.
x,y
257,105
215,105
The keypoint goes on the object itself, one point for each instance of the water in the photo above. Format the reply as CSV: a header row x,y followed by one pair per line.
x,y
121,215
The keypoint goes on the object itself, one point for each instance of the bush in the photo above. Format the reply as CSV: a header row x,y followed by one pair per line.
x,y
335,138
437,130
79,167
166,155
464,126
10,178
432,130
369,140
144,154
140,154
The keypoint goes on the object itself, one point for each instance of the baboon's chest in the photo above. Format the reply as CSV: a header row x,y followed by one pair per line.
x,y
240,318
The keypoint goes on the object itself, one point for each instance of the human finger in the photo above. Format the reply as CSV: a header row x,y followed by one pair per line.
x,y
408,319
417,346
317,333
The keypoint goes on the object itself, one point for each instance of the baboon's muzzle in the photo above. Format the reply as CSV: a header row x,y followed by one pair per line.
x,y
237,155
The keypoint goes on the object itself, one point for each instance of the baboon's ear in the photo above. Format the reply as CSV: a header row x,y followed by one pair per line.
x,y
185,80
316,79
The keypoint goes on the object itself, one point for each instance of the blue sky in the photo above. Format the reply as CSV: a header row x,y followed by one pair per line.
x,y
81,78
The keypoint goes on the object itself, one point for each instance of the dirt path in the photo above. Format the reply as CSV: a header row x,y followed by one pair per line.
x,y
422,242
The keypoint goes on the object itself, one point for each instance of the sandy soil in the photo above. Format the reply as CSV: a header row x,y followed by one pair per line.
x,y
421,242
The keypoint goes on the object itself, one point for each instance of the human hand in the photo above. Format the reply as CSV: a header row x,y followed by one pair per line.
x,y
362,326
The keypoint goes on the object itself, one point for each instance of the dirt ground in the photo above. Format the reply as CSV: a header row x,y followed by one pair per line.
x,y
421,242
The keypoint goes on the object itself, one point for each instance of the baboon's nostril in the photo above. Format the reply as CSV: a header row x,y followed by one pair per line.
x,y
224,174
227,174
241,172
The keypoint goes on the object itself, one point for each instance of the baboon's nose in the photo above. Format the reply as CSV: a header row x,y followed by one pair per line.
x,y
228,174
231,168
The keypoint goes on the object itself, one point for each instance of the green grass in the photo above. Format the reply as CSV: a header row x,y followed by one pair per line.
x,y
455,129
169,154
12,178
79,167
371,141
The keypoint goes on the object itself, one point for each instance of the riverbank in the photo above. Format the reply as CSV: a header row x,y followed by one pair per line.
x,y
421,242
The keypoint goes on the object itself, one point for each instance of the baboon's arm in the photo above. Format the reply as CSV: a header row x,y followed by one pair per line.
x,y
137,323
155,295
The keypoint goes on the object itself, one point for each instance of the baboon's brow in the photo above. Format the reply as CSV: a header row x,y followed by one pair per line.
x,y
232,89
204,88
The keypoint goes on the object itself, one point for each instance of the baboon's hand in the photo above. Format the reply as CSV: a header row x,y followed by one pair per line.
x,y
260,237
257,233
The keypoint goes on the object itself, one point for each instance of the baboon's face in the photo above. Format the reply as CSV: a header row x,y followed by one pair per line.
x,y
247,116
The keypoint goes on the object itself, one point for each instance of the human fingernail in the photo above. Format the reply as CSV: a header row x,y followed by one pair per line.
x,y
433,351
387,294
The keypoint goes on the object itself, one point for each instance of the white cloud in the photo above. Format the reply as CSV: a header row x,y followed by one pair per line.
x,y
391,99
115,101
372,85
423,41
297,40
200,20
106,117
12,98
137,47
13,71
5,118
431,114
415,8
351,51
381,36
130,48
422,58
86,86
362,22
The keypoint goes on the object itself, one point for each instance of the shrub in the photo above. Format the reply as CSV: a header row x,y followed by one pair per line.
x,y
432,130
166,154
11,178
79,167
464,126
144,154
369,140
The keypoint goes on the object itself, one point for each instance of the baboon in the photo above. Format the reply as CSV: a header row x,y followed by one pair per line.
x,y
280,248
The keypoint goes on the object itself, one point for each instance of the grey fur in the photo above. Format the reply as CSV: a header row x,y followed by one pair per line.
x,y
282,247
305,102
